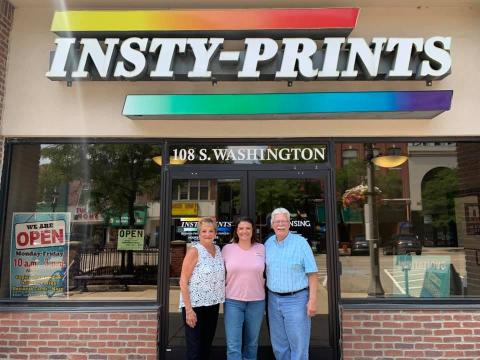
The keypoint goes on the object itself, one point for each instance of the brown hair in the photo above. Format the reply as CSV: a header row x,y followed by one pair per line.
x,y
237,222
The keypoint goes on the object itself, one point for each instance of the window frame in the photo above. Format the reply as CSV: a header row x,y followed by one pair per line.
x,y
66,305
335,271
401,303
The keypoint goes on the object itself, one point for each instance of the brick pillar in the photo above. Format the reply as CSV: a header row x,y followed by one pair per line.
x,y
467,204
6,20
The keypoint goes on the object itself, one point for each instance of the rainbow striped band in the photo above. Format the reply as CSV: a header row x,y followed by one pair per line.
x,y
227,23
351,105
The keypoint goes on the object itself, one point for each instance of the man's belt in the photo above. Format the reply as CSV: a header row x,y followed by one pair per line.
x,y
290,293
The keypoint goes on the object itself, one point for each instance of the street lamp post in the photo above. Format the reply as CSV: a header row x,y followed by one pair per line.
x,y
371,227
371,221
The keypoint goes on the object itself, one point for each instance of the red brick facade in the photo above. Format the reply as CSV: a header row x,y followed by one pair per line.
x,y
410,334
78,335
6,19
468,168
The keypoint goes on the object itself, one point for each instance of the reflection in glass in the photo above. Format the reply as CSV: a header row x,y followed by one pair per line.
x,y
107,191
428,222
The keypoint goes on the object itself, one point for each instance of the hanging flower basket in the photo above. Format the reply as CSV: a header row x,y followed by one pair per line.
x,y
356,196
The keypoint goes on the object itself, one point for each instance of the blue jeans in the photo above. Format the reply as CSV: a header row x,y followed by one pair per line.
x,y
289,325
243,320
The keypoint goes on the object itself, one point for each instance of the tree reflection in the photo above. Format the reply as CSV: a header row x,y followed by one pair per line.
x,y
117,175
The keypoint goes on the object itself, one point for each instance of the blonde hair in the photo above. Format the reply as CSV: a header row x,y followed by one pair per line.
x,y
206,221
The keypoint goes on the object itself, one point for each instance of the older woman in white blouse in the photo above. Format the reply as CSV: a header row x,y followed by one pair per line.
x,y
202,290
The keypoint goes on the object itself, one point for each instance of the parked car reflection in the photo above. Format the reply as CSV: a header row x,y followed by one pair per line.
x,y
359,245
403,244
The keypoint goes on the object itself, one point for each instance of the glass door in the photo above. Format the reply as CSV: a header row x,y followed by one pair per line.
x,y
305,195
225,196
195,195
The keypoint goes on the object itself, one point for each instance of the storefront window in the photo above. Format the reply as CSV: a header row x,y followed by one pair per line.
x,y
428,219
394,151
192,190
82,222
348,156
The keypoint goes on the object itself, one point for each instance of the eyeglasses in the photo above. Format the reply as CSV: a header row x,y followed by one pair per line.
x,y
281,222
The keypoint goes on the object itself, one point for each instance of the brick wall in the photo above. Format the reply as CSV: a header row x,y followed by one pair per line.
x,y
178,251
78,335
468,167
410,334
6,19
468,196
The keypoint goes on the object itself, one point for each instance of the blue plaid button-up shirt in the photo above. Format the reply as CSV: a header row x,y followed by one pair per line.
x,y
288,263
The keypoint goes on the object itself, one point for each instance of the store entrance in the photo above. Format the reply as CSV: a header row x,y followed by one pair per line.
x,y
227,195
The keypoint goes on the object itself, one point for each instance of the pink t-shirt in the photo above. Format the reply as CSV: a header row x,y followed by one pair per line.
x,y
244,281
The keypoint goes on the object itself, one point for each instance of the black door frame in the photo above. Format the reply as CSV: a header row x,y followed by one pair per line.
x,y
247,175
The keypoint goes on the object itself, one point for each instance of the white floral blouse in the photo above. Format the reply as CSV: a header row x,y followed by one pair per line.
x,y
207,283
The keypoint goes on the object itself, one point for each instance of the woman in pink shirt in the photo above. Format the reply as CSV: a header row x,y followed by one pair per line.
x,y
244,291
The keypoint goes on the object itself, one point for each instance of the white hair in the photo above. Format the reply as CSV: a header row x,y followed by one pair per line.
x,y
279,211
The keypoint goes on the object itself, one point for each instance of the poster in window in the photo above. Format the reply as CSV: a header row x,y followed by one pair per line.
x,y
39,255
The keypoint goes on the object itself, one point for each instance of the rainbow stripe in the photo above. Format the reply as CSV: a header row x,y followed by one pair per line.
x,y
211,20
408,104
